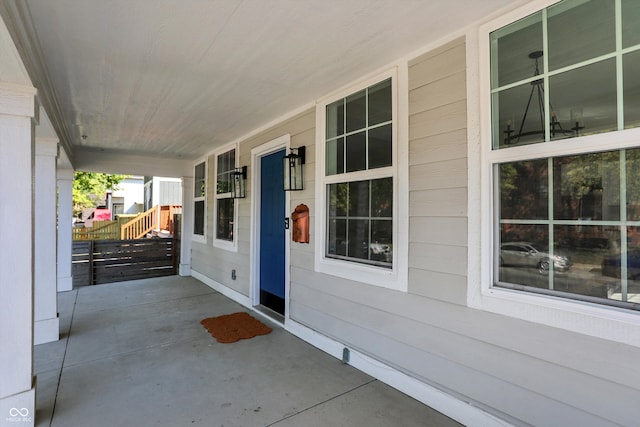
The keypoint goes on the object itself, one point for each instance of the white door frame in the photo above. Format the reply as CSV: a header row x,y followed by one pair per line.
x,y
256,155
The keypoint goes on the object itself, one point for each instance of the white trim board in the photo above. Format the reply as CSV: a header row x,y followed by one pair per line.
x,y
442,402
224,290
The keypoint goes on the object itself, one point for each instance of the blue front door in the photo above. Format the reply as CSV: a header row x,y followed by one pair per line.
x,y
272,232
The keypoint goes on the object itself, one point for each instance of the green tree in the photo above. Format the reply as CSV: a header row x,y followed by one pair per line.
x,y
90,188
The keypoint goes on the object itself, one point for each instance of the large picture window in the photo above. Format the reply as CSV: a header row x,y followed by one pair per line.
x,y
199,201
567,216
225,203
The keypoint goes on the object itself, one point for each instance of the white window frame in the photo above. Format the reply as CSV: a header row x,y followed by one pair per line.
x,y
229,245
601,321
392,278
197,237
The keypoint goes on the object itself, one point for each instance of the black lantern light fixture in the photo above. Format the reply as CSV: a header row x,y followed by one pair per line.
x,y
239,183
512,135
293,171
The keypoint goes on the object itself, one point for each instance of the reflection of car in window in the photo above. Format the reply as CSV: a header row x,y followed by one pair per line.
x,y
526,254
381,252
611,265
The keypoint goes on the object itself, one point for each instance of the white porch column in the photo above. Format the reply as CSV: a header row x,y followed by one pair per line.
x,y
17,383
46,323
187,226
65,218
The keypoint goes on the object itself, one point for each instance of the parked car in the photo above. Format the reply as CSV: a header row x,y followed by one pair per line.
x,y
526,254
611,265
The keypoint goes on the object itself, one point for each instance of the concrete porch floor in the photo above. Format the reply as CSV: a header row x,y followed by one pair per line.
x,y
134,353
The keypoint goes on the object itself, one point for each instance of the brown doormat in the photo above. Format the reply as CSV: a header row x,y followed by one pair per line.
x,y
233,327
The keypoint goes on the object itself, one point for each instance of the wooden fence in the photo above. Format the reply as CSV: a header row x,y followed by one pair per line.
x,y
101,230
96,262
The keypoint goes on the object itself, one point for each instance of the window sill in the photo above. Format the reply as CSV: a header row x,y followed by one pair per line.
x,y
371,275
227,245
609,323
197,238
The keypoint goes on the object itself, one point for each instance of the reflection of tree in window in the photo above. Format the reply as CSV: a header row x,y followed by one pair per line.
x,y
587,186
524,190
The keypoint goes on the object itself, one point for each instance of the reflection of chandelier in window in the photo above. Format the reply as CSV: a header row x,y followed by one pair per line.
x,y
537,88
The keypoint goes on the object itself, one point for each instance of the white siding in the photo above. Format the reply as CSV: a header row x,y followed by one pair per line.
x,y
523,372
217,263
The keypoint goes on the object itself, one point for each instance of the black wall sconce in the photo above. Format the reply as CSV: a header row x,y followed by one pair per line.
x,y
293,171
239,183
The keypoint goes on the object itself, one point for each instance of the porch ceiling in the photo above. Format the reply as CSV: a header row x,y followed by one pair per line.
x,y
176,78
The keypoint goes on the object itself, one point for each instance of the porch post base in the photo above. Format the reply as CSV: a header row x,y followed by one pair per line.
x,y
46,330
19,409
65,284
184,270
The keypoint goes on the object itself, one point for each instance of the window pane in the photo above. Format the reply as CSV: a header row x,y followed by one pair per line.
x,y
580,30
225,164
356,152
224,183
633,184
198,218
621,270
631,65
352,231
359,199
381,247
224,229
587,187
335,156
380,103
335,119
585,248
524,256
382,198
338,200
510,49
630,22
199,172
380,147
356,111
200,188
520,119
337,244
524,190
199,185
358,245
585,98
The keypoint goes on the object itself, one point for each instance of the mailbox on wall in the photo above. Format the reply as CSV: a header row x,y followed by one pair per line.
x,y
300,218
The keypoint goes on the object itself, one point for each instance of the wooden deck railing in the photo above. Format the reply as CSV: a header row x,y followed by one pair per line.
x,y
167,213
128,228
141,225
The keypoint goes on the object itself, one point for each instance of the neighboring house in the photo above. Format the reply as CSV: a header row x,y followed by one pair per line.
x,y
162,191
129,196
523,127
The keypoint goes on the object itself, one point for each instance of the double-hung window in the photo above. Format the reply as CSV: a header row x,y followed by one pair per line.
x,y
359,184
225,203
564,159
199,202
